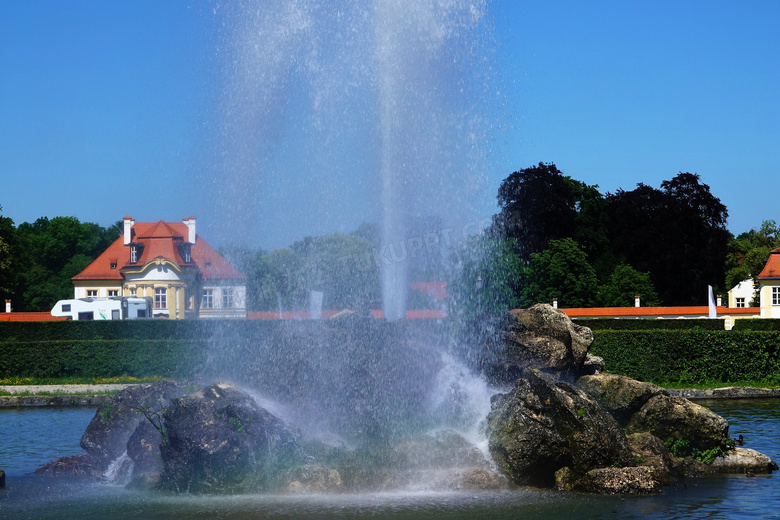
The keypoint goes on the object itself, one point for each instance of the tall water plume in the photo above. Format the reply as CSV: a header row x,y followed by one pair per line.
x,y
334,113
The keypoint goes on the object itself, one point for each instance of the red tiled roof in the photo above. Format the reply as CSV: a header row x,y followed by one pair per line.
x,y
412,314
771,270
609,312
160,240
30,316
436,290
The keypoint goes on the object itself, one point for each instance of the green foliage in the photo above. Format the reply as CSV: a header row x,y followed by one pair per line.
x,y
623,285
691,356
6,264
682,448
678,447
677,234
45,255
707,456
343,267
561,271
651,324
485,278
100,358
105,412
765,324
748,252
537,205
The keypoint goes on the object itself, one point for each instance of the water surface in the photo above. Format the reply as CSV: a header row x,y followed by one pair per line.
x,y
33,437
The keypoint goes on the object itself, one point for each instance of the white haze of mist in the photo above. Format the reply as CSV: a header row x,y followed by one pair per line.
x,y
327,115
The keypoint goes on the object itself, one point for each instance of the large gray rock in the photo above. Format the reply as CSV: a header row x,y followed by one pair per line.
x,y
220,440
650,451
640,480
668,416
538,337
619,395
106,436
543,425
744,460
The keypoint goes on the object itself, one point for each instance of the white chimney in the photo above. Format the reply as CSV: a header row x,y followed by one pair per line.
x,y
8,306
190,223
555,303
637,301
128,230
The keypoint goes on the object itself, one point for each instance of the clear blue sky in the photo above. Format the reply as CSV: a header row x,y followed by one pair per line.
x,y
113,108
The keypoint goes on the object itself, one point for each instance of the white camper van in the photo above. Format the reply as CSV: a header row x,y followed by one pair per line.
x,y
116,308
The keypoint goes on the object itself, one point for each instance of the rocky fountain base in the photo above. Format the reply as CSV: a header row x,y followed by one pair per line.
x,y
561,424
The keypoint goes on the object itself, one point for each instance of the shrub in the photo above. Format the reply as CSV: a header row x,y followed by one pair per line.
x,y
691,356
651,324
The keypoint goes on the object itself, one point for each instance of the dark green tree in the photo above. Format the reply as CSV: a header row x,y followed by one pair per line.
x,y
561,271
537,204
624,284
485,277
48,253
342,267
748,253
677,234
6,256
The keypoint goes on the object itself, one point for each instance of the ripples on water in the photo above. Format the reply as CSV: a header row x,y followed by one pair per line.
x,y
33,437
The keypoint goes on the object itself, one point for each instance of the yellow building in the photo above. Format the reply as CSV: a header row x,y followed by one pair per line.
x,y
769,286
170,263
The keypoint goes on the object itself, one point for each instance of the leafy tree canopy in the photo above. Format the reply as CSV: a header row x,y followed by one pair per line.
x,y
748,253
624,284
561,271
677,234
485,277
537,205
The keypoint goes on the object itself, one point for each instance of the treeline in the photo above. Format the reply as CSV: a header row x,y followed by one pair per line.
x,y
557,237
38,260
554,237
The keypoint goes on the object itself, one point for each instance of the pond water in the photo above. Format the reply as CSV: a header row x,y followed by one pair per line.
x,y
32,437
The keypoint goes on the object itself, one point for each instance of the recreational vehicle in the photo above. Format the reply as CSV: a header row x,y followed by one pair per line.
x,y
116,308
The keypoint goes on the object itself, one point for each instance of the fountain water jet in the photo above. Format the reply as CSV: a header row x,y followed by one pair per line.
x,y
349,112
317,95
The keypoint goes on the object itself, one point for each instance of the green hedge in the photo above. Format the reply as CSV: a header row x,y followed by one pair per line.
x,y
757,324
127,329
652,323
101,358
691,357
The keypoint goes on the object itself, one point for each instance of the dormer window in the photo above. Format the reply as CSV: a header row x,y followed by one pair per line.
x,y
184,252
208,265
135,252
112,263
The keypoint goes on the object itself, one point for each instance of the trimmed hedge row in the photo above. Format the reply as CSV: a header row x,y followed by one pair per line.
x,y
652,323
691,357
127,329
769,324
101,358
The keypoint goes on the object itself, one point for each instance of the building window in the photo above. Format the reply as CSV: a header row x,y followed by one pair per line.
x,y
775,295
208,265
740,302
184,252
92,293
113,264
227,297
133,291
207,301
133,254
113,292
161,298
